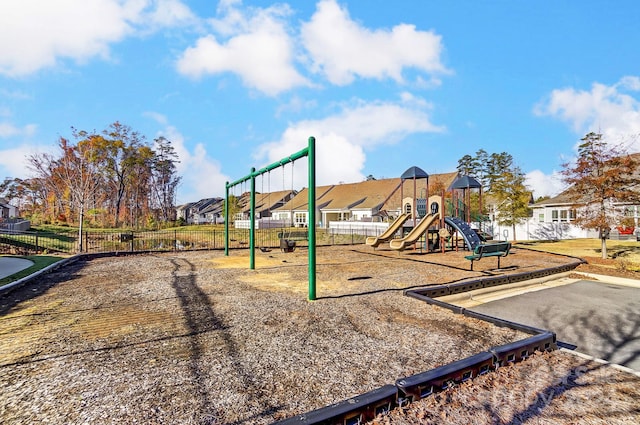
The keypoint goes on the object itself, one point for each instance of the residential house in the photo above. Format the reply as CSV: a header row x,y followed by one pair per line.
x,y
7,210
554,218
266,203
368,201
203,211
265,206
213,213
182,211
9,218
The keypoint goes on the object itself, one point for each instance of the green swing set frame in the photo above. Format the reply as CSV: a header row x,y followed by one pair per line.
x,y
308,152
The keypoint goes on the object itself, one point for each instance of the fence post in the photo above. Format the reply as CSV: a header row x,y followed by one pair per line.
x,y
175,240
131,245
37,249
86,241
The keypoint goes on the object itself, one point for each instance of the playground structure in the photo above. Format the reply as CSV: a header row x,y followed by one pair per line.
x,y
447,220
415,234
388,234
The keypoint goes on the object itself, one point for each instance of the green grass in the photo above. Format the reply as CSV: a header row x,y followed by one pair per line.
x,y
39,263
626,253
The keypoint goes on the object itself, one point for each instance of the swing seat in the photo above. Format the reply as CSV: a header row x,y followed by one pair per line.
x,y
287,245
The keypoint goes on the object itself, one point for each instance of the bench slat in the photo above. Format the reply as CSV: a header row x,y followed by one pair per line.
x,y
499,249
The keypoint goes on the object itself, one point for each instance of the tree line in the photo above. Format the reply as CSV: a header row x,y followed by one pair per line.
x,y
116,178
113,178
503,182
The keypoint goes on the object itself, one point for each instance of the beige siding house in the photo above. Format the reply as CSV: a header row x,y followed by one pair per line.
x,y
368,201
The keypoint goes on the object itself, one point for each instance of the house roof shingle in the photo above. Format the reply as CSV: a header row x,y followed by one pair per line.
x,y
383,194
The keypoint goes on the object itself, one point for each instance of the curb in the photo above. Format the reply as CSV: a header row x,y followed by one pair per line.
x,y
5,289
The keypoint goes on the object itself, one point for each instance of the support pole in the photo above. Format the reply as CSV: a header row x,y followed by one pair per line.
x,y
252,220
312,218
415,206
226,219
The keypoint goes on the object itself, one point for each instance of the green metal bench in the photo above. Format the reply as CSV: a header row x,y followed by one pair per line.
x,y
496,249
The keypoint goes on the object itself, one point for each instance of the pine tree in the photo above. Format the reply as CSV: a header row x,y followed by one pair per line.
x,y
512,197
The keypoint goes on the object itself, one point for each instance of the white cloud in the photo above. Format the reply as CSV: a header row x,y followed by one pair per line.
x,y
10,130
168,13
255,46
370,124
13,161
630,82
296,105
544,184
343,139
157,117
610,110
201,174
337,158
14,94
342,49
37,34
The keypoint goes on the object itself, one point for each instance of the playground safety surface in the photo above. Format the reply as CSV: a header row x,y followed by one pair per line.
x,y
196,337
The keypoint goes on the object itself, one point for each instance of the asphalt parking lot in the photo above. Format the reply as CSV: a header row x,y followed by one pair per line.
x,y
600,318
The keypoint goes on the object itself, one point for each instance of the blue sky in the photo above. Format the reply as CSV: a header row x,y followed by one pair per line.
x,y
381,85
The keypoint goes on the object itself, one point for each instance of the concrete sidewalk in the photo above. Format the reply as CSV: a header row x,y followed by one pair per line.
x,y
11,265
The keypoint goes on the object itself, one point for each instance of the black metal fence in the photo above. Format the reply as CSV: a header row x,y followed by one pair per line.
x,y
30,242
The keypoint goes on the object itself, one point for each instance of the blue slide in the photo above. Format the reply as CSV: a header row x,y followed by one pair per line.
x,y
471,238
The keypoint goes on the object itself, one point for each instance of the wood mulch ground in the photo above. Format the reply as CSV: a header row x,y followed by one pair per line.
x,y
196,337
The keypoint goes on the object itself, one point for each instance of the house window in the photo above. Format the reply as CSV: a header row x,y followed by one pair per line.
x,y
572,214
407,208
541,217
300,219
564,214
554,215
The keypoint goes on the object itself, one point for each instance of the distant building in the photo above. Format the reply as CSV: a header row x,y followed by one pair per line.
x,y
7,211
204,211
